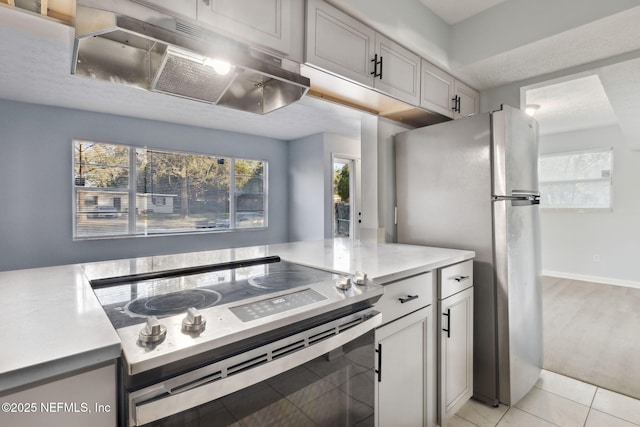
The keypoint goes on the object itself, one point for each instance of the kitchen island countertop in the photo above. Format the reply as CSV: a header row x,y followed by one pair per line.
x,y
55,325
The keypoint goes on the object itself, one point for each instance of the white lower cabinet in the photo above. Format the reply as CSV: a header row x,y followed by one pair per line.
x,y
82,399
405,392
456,353
403,374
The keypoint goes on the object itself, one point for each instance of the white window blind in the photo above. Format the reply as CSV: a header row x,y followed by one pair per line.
x,y
576,180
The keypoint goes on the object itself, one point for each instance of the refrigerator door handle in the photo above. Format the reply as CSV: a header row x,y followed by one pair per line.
x,y
532,199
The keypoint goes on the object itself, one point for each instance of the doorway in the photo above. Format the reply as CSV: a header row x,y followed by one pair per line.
x,y
590,284
343,185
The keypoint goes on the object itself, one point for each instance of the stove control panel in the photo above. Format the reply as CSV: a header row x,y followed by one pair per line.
x,y
268,307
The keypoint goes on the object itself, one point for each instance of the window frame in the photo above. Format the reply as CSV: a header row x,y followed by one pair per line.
x,y
568,208
132,194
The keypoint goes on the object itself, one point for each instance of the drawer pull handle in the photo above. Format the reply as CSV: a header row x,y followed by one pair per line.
x,y
448,329
407,299
461,278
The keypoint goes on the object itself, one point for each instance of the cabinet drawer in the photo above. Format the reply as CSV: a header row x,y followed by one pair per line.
x,y
405,296
455,278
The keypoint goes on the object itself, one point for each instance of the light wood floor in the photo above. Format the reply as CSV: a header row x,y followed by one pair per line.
x,y
592,333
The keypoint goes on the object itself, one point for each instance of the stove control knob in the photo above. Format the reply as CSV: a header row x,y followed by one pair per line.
x,y
343,282
359,278
193,322
153,331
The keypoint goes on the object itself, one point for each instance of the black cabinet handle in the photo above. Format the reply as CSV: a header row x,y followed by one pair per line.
x,y
448,330
379,370
461,278
375,72
456,103
407,299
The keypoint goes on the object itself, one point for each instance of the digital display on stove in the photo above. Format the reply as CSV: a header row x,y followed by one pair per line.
x,y
269,307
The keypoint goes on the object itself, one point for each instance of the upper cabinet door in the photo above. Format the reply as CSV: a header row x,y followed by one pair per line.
x,y
338,43
397,71
468,101
185,8
260,22
437,90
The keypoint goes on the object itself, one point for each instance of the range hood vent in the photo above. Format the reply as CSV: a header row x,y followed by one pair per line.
x,y
147,49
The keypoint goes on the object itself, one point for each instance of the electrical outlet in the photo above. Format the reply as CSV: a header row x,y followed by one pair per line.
x,y
595,258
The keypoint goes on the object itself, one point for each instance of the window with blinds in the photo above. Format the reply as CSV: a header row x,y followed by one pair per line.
x,y
577,180
122,190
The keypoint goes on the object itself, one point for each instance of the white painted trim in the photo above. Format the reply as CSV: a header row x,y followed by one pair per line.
x,y
595,279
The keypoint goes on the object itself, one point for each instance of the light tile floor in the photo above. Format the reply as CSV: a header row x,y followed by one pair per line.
x,y
556,400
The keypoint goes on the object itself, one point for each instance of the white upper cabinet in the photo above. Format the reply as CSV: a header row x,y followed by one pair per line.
x,y
264,23
397,71
437,90
338,43
467,99
344,46
185,8
443,94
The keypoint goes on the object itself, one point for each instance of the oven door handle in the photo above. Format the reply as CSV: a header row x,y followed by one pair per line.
x,y
174,401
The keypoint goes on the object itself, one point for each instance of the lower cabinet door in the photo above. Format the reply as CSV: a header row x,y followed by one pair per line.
x,y
404,371
456,353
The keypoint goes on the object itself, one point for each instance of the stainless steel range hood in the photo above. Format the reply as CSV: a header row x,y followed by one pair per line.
x,y
144,48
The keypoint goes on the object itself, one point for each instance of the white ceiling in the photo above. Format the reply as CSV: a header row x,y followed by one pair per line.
x,y
604,96
454,11
40,53
572,104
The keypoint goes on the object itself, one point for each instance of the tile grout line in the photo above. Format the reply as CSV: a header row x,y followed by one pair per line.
x,y
502,416
590,407
538,417
568,398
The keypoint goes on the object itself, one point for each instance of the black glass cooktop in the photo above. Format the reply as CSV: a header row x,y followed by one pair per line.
x,y
130,300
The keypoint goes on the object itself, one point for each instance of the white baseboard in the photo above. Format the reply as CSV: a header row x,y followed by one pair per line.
x,y
595,279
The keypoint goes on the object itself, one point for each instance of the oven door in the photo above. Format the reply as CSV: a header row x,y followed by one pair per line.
x,y
319,376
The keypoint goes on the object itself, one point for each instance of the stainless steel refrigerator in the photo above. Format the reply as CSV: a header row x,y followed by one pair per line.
x,y
472,184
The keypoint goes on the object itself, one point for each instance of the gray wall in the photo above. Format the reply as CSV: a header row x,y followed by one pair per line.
x,y
36,177
306,188
570,239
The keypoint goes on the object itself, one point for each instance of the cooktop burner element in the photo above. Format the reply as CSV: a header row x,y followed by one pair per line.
x,y
283,279
172,303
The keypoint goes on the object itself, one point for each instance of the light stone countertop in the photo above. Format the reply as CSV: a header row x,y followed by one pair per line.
x,y
55,325
51,324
